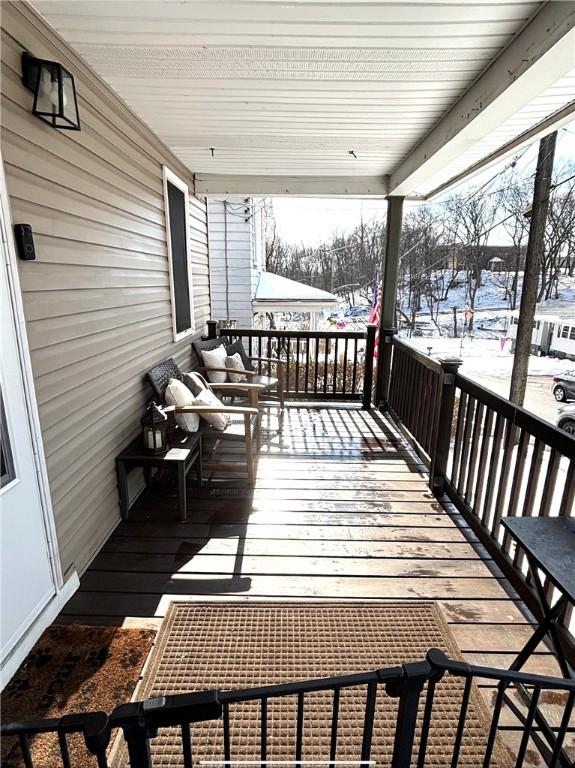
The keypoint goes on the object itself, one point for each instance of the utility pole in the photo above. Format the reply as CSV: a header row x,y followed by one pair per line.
x,y
533,259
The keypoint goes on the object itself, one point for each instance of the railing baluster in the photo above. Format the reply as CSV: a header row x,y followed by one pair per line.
x,y
263,729
466,448
316,366
64,749
368,721
493,466
474,452
297,353
226,729
501,499
299,726
493,727
25,747
527,727
354,373
565,720
288,366
334,725
326,360
344,365
485,447
461,411
187,745
461,723
516,484
307,364
335,361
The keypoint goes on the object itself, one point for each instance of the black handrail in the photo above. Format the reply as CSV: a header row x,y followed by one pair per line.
x,y
139,722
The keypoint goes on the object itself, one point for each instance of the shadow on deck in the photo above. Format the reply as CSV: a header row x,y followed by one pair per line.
x,y
340,511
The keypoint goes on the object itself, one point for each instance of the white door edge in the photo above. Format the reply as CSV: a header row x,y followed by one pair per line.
x,y
6,232
42,622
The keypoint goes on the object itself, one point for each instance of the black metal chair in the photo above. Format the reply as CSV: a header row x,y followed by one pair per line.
x,y
244,426
268,384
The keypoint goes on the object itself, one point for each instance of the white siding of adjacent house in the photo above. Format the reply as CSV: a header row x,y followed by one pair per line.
x,y
232,268
97,299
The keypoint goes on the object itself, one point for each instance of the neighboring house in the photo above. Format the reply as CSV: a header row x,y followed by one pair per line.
x,y
236,235
553,332
241,289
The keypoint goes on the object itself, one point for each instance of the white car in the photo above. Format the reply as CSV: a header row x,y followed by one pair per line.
x,y
565,419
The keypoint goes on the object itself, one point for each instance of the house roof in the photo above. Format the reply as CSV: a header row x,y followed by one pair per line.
x,y
339,97
278,292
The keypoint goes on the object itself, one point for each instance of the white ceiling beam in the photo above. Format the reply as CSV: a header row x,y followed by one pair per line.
x,y
538,57
302,186
552,123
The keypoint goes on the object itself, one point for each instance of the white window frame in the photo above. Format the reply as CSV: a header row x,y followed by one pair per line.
x,y
170,176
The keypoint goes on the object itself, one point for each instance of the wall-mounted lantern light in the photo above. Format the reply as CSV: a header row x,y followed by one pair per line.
x,y
54,92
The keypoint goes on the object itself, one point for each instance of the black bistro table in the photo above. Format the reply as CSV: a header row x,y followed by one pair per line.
x,y
181,456
549,546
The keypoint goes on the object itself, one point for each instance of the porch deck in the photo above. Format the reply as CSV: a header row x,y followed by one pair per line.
x,y
340,511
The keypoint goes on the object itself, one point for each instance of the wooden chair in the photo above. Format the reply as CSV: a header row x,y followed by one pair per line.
x,y
268,384
244,426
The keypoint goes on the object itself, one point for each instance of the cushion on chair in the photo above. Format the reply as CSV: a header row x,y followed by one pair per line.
x,y
179,395
195,382
215,358
238,347
234,363
235,431
219,421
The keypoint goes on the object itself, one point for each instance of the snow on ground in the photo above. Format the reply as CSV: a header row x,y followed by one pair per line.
x,y
492,293
485,356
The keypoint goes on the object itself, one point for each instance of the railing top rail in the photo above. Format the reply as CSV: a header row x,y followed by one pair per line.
x,y
548,433
422,358
292,334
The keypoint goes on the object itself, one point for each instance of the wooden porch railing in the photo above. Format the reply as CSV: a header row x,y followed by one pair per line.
x,y
319,365
489,456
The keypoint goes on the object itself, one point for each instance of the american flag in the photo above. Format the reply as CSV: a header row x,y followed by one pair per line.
x,y
375,314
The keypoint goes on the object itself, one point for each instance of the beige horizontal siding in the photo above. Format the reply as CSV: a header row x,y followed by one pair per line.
x,y
97,299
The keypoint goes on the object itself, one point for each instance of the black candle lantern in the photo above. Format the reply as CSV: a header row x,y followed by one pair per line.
x,y
54,92
154,427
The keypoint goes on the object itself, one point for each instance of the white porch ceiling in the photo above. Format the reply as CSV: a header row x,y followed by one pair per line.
x,y
288,90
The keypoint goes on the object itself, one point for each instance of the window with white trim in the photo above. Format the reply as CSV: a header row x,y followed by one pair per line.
x,y
179,254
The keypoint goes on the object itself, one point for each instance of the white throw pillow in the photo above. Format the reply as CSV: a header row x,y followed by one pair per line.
x,y
215,358
218,421
235,363
179,395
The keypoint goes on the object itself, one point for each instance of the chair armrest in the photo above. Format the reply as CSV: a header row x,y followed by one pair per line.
x,y
277,360
216,409
226,370
240,385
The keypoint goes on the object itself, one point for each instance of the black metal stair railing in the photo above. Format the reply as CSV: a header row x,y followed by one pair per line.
x,y
413,685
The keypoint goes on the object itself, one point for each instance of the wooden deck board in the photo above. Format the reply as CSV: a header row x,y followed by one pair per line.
x,y
340,512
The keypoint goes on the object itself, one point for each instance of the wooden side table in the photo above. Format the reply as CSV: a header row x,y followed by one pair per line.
x,y
182,457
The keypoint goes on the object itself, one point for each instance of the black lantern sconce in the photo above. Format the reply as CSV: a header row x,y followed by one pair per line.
x,y
54,92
